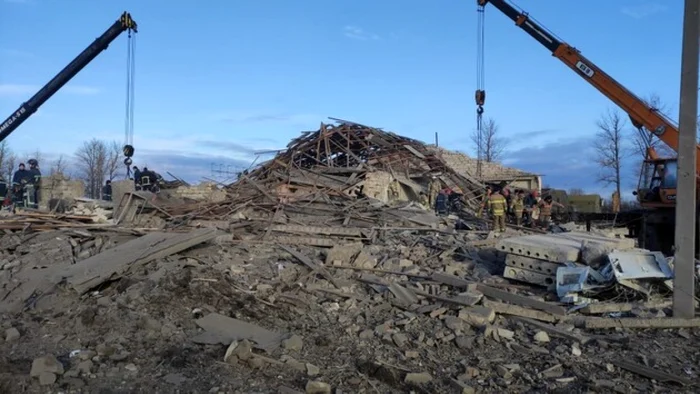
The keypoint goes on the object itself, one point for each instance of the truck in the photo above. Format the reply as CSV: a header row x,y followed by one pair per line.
x,y
654,223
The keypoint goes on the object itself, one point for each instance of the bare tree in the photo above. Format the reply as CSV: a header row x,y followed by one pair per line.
x,y
9,166
114,162
91,161
609,147
5,154
576,192
36,155
643,139
59,166
489,142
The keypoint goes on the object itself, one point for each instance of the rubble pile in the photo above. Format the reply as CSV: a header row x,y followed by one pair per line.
x,y
305,281
323,173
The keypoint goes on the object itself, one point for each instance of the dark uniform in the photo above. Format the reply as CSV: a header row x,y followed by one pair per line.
x,y
107,191
20,179
34,183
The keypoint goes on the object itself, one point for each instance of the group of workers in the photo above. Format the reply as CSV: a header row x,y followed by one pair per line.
x,y
501,202
24,189
146,180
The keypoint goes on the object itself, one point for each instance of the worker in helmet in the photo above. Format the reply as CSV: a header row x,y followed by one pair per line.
x,y
497,207
107,191
137,178
34,183
19,180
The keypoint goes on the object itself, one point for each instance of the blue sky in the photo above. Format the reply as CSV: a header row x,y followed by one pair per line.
x,y
217,80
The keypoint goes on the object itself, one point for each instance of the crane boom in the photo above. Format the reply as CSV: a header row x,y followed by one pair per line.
x,y
124,23
641,114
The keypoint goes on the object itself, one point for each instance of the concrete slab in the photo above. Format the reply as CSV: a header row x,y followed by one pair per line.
x,y
563,247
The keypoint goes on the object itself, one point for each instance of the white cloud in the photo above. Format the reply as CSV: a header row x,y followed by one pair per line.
x,y
643,10
358,33
10,89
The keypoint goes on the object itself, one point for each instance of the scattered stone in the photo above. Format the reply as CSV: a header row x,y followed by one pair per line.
x,y
454,323
46,363
256,362
243,350
478,316
104,350
412,354
575,350
400,339
316,387
87,354
366,334
85,367
506,334
293,343
11,334
312,370
461,388
418,378
47,378
553,372
131,367
465,342
175,379
541,337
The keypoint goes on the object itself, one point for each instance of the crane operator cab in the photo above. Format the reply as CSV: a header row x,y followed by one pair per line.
x,y
657,182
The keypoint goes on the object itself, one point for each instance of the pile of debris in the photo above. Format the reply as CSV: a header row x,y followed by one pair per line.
x,y
339,172
314,275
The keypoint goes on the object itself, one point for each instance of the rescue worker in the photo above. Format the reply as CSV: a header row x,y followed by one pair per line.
x,y
517,205
484,201
433,190
137,178
19,180
424,200
497,207
34,183
107,191
545,207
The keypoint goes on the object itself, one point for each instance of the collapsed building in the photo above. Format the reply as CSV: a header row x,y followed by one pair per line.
x,y
317,271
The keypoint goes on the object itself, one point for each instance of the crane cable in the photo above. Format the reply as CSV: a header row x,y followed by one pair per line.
x,y
128,149
480,94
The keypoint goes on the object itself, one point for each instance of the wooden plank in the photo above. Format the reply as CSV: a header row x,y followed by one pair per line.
x,y
309,263
521,300
651,373
662,322
555,331
514,310
113,263
598,309
293,228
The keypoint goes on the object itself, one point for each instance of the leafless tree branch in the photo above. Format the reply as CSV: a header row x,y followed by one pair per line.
x,y
489,143
610,148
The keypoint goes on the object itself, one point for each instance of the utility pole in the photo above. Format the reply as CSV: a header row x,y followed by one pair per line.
x,y
684,263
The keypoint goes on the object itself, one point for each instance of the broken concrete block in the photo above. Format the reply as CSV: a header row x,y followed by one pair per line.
x,y
506,334
365,260
293,343
418,378
316,387
46,363
477,316
11,334
47,378
312,370
541,337
343,253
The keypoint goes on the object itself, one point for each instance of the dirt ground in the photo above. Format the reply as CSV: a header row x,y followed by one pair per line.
x,y
135,334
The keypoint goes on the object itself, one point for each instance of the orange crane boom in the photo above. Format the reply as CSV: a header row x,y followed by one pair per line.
x,y
640,113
